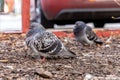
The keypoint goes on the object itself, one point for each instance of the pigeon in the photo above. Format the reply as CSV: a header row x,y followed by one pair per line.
x,y
85,35
45,43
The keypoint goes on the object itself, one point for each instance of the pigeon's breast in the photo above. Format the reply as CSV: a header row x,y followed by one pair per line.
x,y
44,39
47,43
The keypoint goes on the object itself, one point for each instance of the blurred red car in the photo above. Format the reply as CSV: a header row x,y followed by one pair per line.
x,y
69,11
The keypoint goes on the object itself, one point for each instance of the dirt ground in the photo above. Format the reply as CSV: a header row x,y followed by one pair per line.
x,y
98,62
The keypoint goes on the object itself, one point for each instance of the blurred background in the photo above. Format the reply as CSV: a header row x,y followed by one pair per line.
x,y
10,15
61,14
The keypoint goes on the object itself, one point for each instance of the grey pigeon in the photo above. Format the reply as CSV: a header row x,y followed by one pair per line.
x,y
45,43
84,34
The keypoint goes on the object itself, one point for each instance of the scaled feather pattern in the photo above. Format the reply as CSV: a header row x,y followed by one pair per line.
x,y
46,43
85,35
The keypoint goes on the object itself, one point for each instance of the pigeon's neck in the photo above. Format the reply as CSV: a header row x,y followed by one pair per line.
x,y
78,31
34,31
40,30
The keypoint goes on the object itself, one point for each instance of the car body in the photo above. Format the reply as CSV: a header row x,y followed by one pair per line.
x,y
69,11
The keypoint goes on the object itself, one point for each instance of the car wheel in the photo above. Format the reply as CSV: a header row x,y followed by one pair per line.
x,y
46,23
99,24
40,16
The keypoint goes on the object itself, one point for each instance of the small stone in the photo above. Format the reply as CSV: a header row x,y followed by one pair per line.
x,y
76,72
21,78
2,51
43,73
68,66
3,78
12,51
57,64
118,46
109,41
66,39
107,46
112,77
9,67
98,78
56,75
88,77
23,35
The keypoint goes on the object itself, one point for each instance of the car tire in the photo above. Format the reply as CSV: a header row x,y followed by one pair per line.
x,y
40,16
46,23
98,24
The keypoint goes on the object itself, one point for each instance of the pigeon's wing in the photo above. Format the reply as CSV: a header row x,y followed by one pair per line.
x,y
42,43
92,36
46,42
76,31
52,46
48,45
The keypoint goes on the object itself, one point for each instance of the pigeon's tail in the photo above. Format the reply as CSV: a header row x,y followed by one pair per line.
x,y
65,53
98,41
92,36
95,38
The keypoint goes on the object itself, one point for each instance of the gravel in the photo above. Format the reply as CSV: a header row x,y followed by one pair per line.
x,y
96,62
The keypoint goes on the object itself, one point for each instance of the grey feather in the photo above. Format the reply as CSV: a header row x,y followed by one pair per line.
x,y
46,43
85,35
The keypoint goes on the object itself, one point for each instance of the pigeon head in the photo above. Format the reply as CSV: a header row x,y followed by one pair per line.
x,y
36,26
80,25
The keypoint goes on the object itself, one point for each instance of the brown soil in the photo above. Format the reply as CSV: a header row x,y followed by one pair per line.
x,y
97,60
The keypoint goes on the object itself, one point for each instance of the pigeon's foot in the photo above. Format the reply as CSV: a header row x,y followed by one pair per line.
x,y
43,59
34,56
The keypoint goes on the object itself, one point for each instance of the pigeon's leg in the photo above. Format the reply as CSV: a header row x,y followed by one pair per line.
x,y
80,46
29,53
77,43
37,56
43,59
32,55
90,45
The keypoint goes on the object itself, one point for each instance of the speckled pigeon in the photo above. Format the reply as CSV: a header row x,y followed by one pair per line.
x,y
84,34
45,43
